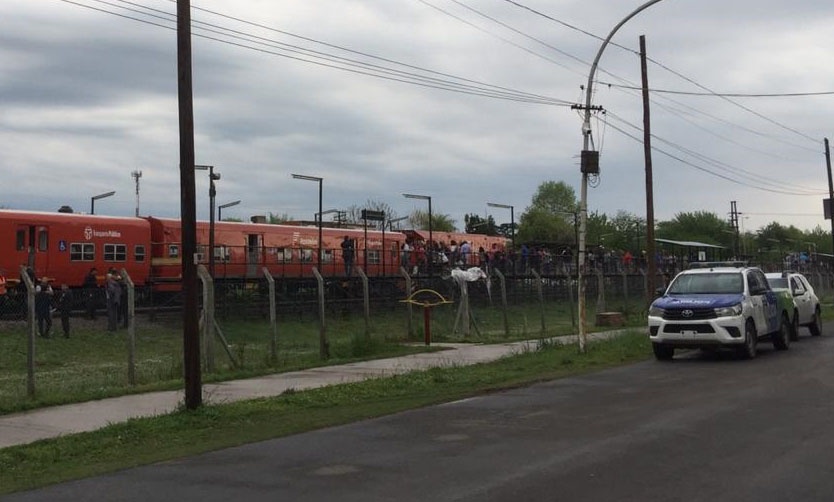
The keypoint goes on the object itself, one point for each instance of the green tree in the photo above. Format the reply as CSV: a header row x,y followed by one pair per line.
x,y
277,219
699,226
551,215
440,222
474,224
538,226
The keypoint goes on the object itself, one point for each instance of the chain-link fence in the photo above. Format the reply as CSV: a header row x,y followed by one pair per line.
x,y
262,326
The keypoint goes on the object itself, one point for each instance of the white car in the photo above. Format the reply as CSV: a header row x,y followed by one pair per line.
x,y
807,312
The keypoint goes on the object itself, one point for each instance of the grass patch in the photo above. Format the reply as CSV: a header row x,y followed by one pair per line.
x,y
92,363
148,440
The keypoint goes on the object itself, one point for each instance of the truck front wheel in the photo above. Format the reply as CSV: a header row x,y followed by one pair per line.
x,y
751,341
663,352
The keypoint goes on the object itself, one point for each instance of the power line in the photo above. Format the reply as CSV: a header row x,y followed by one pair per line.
x,y
709,171
326,60
726,94
678,74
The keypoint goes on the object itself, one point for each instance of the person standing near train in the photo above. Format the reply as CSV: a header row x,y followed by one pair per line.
x,y
347,255
114,295
43,307
90,286
64,306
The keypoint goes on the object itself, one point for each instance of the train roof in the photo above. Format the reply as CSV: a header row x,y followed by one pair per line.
x,y
55,217
242,225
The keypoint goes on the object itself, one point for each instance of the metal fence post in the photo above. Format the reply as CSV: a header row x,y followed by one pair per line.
x,y
540,291
30,316
408,291
273,318
131,328
208,310
324,347
503,283
366,300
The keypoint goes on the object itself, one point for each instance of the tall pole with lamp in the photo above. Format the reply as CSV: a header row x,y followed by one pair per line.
x,y
94,198
221,207
590,166
213,176
512,219
429,251
319,180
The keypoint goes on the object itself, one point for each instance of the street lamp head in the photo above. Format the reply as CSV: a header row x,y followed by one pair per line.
x,y
503,206
101,196
228,204
413,196
215,176
308,178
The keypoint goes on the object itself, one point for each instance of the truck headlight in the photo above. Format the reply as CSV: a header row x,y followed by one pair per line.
x,y
656,311
732,311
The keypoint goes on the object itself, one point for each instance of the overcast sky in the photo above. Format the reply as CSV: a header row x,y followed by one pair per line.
x,y
89,96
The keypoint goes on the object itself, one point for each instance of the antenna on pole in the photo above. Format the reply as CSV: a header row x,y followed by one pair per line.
x,y
136,175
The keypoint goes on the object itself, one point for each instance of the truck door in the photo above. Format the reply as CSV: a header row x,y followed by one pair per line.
x,y
766,311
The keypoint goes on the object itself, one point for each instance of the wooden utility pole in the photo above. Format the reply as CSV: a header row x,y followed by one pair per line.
x,y
188,211
651,269
830,190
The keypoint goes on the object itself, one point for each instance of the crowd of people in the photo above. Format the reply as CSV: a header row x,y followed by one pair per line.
x,y
48,301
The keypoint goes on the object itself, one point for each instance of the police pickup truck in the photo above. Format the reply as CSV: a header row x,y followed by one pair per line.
x,y
719,305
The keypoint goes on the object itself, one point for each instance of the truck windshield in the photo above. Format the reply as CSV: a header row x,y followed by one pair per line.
x,y
711,283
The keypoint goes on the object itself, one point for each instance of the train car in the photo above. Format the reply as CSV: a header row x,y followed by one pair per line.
x,y
242,250
64,246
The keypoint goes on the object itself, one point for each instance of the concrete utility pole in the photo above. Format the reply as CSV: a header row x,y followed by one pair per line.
x,y
136,175
651,263
188,210
590,166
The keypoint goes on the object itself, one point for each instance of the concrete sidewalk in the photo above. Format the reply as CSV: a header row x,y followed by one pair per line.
x,y
27,427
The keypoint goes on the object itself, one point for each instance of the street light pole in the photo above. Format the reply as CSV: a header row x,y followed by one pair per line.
x,y
590,165
319,181
94,198
223,206
430,252
212,193
512,219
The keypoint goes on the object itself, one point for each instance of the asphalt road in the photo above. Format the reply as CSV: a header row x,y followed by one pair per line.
x,y
703,427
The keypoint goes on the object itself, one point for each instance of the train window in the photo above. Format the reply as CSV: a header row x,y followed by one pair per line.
x,y
21,240
200,254
282,255
173,251
373,256
43,239
82,251
115,252
306,255
221,253
139,253
327,256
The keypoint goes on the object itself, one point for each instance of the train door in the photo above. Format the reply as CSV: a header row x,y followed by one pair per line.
x,y
32,246
253,254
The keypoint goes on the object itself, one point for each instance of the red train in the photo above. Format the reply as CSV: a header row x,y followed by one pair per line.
x,y
65,246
